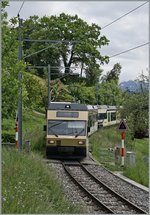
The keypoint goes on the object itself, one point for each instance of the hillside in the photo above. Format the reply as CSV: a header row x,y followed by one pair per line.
x,y
133,86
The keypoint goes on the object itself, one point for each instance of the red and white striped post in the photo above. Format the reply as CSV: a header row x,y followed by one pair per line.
x,y
16,139
122,127
122,149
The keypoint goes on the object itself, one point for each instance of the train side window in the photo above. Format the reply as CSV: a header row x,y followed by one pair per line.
x,y
109,117
89,121
113,116
102,116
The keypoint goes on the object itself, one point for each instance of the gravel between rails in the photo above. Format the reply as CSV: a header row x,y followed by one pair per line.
x,y
72,192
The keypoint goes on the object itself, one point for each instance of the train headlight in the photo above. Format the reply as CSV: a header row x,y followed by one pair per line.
x,y
81,142
51,141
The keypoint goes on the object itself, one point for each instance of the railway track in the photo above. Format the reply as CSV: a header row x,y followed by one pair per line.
x,y
102,198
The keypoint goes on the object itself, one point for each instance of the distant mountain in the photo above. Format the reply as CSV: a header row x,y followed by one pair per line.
x,y
133,86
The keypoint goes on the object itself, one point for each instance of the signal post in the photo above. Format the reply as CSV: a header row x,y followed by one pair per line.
x,y
122,128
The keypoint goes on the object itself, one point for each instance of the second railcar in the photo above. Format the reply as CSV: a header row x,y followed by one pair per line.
x,y
107,115
92,119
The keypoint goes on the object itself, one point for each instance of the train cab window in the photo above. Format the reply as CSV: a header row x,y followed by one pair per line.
x,y
66,127
113,116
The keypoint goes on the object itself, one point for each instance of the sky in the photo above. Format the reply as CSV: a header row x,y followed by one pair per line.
x,y
130,31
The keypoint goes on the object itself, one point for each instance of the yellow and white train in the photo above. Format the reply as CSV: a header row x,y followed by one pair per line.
x,y
70,124
107,115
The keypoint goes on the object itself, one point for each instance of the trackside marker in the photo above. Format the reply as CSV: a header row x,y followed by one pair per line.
x,y
16,140
122,127
122,150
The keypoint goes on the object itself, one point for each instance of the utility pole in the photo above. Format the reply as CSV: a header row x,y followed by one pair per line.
x,y
49,86
20,89
97,88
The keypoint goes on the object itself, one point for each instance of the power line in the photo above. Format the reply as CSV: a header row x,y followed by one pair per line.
x,y
37,52
50,41
124,15
129,50
21,7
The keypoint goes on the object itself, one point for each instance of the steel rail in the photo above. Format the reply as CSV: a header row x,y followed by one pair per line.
x,y
98,202
135,207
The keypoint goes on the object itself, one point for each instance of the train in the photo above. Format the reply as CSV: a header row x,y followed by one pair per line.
x,y
70,124
108,115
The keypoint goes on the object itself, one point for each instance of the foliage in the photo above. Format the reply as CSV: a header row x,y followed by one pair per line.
x,y
33,130
135,110
113,74
82,54
36,91
82,93
109,93
59,91
11,67
143,80
93,73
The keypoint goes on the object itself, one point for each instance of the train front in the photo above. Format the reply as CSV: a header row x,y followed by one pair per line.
x,y
66,130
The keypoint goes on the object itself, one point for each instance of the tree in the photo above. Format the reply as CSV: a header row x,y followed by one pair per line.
x,y
93,73
82,93
11,66
71,28
143,82
135,110
109,94
113,74
60,92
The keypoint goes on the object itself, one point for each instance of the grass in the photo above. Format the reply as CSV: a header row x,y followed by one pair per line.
x,y
29,187
32,130
103,144
139,171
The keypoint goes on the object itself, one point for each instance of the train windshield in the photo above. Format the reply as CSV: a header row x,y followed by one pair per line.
x,y
66,127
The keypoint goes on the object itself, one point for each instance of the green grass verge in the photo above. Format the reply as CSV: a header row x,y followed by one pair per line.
x,y
139,171
32,130
29,187
103,143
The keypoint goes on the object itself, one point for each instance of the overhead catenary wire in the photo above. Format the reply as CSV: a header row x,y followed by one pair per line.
x,y
21,7
129,50
37,52
124,15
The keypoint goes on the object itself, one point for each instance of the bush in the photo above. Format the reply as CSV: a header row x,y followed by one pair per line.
x,y
8,138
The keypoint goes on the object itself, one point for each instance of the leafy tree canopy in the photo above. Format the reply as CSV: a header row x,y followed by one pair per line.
x,y
109,94
65,27
113,74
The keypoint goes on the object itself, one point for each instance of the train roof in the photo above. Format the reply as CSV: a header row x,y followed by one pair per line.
x,y
102,106
67,106
92,107
112,107
108,107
